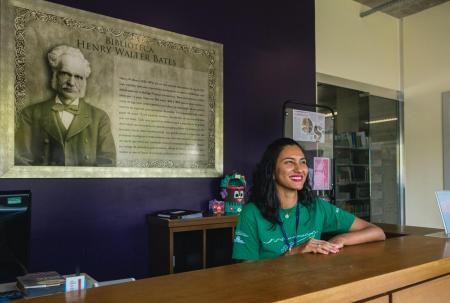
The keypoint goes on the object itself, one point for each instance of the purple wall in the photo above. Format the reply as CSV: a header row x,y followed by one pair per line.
x,y
99,224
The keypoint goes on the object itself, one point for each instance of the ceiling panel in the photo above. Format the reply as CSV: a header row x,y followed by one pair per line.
x,y
401,8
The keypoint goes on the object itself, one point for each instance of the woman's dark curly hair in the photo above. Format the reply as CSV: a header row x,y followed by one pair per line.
x,y
264,192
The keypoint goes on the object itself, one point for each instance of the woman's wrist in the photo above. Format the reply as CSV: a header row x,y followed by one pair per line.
x,y
339,240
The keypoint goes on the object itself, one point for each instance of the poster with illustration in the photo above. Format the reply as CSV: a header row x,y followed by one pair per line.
x,y
321,173
308,126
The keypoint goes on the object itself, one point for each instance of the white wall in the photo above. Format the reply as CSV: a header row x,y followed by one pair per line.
x,y
368,50
426,76
355,48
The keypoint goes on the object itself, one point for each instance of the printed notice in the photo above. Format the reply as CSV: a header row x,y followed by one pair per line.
x,y
321,173
162,114
308,126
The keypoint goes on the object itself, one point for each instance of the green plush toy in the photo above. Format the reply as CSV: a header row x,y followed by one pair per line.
x,y
232,191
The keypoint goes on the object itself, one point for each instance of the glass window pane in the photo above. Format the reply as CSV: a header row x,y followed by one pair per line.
x,y
366,152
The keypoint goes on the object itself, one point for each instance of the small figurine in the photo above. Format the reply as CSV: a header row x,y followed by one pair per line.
x,y
232,191
216,207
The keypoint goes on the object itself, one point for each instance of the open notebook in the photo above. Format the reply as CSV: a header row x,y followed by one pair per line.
x,y
443,202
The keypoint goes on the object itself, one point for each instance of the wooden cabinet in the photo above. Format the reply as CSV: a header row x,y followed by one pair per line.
x,y
383,299
189,244
434,291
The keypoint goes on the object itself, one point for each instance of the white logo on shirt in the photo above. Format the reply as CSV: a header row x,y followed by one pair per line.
x,y
238,240
300,238
240,233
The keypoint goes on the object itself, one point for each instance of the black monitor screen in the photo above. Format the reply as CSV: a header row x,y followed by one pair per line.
x,y
14,234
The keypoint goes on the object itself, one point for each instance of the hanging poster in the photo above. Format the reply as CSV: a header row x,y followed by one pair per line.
x,y
321,173
85,95
308,126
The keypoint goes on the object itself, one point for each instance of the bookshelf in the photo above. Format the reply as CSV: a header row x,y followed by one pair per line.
x,y
352,167
384,192
367,152
365,177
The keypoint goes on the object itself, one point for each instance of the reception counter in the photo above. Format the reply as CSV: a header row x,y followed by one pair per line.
x,y
407,267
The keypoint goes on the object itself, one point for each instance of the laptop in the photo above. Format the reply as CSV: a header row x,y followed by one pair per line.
x,y
443,202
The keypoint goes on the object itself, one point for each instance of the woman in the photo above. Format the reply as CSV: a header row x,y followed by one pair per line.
x,y
282,218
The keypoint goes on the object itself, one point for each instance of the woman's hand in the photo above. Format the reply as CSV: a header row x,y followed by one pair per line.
x,y
315,246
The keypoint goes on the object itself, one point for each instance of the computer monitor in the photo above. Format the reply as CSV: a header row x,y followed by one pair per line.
x,y
15,214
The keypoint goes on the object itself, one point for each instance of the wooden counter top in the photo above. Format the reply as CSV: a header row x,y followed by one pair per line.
x,y
393,230
356,273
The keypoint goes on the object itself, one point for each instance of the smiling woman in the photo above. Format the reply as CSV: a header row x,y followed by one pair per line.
x,y
281,192
290,174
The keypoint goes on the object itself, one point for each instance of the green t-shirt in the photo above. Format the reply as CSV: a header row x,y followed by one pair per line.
x,y
256,238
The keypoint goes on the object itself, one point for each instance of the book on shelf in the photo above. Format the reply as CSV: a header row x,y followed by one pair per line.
x,y
41,283
179,214
352,139
343,174
361,139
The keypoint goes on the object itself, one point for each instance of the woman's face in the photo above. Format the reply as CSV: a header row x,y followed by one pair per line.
x,y
291,169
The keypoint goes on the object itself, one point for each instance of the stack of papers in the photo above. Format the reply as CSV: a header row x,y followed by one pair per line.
x,y
179,214
41,283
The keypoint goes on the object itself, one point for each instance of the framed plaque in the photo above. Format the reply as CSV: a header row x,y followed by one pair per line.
x,y
85,95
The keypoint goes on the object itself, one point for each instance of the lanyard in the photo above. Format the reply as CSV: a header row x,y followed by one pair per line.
x,y
283,230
